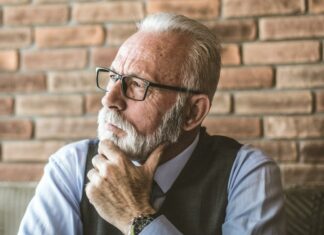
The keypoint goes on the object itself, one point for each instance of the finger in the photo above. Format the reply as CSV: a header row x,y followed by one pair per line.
x,y
98,160
101,164
154,159
94,177
111,151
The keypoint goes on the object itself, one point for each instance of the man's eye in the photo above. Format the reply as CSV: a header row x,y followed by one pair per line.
x,y
114,77
135,84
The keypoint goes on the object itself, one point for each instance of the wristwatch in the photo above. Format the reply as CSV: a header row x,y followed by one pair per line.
x,y
140,222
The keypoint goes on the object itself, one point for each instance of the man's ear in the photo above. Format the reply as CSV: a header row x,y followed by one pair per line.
x,y
197,108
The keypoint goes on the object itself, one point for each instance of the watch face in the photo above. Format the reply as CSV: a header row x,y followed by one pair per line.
x,y
139,223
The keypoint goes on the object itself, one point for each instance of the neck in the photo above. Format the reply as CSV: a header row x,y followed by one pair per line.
x,y
174,149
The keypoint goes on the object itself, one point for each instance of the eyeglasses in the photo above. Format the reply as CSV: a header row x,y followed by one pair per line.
x,y
133,87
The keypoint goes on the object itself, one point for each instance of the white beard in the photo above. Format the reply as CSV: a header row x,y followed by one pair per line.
x,y
137,146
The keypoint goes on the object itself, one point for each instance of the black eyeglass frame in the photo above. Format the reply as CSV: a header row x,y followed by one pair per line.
x,y
147,84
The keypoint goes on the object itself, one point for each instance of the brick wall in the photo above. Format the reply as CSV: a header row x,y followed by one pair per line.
x,y
271,92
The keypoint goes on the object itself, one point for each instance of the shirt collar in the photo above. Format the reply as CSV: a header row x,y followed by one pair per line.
x,y
166,174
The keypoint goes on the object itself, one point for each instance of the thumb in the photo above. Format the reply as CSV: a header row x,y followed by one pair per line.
x,y
153,160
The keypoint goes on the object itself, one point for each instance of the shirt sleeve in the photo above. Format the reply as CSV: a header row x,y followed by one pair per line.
x,y
160,226
57,195
255,196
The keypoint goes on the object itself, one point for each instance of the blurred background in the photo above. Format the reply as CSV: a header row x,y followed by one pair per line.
x,y
271,91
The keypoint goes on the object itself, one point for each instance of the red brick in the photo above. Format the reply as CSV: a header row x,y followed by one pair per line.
x,y
8,60
199,9
302,76
234,127
29,151
292,102
292,27
26,82
312,151
222,104
50,1
66,128
36,14
93,103
230,54
13,1
6,105
282,151
266,7
281,52
233,30
49,105
316,6
108,11
72,81
302,174
21,172
15,38
118,33
246,77
86,35
320,101
294,127
103,56
15,129
55,59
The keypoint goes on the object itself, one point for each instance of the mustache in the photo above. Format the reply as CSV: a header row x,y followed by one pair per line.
x,y
114,118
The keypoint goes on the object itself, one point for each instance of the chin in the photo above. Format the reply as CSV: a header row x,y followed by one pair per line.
x,y
104,134
123,143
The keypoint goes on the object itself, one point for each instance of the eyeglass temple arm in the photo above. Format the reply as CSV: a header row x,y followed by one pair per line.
x,y
181,89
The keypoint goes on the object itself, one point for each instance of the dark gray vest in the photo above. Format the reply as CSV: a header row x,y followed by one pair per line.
x,y
196,202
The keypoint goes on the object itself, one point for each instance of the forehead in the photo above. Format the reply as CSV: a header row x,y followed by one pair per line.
x,y
152,55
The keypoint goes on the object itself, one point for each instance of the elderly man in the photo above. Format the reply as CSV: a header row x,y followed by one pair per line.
x,y
154,169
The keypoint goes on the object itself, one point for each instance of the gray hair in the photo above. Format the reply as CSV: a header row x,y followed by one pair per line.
x,y
201,69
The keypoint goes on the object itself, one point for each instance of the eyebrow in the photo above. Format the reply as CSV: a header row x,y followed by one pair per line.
x,y
130,75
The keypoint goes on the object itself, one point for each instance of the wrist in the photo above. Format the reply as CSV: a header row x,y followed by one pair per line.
x,y
138,223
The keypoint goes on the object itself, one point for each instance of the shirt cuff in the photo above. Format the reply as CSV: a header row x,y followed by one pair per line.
x,y
160,226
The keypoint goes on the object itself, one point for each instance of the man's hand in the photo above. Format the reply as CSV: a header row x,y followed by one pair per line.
x,y
119,190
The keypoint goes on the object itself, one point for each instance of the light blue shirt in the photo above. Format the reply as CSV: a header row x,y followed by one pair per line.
x,y
255,199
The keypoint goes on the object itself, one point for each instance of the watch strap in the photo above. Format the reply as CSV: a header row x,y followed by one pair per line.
x,y
140,222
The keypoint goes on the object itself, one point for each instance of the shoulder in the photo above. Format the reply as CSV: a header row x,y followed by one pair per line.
x,y
251,164
70,160
72,151
74,147
255,180
250,157
221,145
67,165
58,193
218,140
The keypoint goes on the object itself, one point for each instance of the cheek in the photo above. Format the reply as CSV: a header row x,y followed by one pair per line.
x,y
148,117
157,110
148,120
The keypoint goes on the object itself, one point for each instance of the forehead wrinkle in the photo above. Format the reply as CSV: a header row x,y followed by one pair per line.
x,y
127,51
129,62
153,56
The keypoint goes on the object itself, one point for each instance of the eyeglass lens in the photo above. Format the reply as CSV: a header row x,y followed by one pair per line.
x,y
132,87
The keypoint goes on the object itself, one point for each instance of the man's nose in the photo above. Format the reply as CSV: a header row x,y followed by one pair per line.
x,y
114,98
